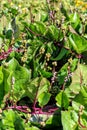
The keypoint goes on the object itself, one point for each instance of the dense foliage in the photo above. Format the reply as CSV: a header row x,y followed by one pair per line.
x,y
43,65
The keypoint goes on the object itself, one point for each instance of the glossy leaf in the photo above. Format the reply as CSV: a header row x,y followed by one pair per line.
x,y
75,20
5,85
60,55
44,17
68,122
81,98
21,76
44,98
37,28
40,27
35,92
46,74
62,100
11,120
37,87
78,78
78,43
52,33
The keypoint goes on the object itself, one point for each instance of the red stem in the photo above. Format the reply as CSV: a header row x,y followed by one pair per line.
x,y
4,55
35,100
81,123
24,109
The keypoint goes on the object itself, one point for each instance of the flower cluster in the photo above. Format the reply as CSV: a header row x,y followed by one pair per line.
x,y
68,77
81,4
24,57
54,77
47,57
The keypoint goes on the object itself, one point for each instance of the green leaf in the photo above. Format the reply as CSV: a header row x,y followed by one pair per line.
x,y
9,34
78,43
81,98
14,11
83,119
15,27
75,105
40,27
1,75
37,85
62,73
6,80
13,64
44,98
37,28
46,74
44,17
79,78
61,35
5,85
43,86
60,55
31,88
21,76
68,120
52,33
32,128
50,47
75,20
62,100
1,85
54,121
12,121
73,64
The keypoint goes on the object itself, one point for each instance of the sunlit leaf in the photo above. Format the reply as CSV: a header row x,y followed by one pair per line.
x,y
11,120
21,76
52,33
37,87
81,98
68,120
78,78
74,19
44,17
1,75
78,43
62,100
44,98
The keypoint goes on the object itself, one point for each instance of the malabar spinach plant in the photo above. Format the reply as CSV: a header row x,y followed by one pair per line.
x,y
43,65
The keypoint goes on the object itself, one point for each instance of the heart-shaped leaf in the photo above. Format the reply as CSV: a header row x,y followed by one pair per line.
x,y
62,100
78,43
44,98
